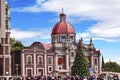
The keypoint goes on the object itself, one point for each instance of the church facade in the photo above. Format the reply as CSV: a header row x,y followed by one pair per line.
x,y
42,59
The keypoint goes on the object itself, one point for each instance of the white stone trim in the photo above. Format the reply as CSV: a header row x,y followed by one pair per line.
x,y
67,62
34,63
45,63
23,64
56,61
92,62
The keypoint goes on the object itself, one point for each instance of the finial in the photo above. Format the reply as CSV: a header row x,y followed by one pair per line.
x,y
62,10
90,40
80,42
81,39
62,16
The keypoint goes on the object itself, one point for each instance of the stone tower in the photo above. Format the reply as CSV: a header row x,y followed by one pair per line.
x,y
5,57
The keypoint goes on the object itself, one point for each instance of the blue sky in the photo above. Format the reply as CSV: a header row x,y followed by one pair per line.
x,y
33,20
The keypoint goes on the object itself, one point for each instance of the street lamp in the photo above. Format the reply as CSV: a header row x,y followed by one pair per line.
x,y
16,67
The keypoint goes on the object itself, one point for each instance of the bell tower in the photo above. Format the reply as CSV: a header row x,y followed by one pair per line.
x,y
5,57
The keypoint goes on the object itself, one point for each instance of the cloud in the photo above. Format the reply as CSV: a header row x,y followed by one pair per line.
x,y
112,59
106,12
30,34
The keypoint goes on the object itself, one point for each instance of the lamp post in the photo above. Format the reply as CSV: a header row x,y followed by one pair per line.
x,y
16,67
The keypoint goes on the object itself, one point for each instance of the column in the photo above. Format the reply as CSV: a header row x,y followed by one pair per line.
x,y
92,61
56,60
34,63
45,63
23,64
67,61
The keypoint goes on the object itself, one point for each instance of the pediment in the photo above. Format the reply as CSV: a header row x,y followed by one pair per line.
x,y
37,46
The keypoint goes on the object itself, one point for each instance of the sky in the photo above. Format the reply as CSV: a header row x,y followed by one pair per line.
x,y
33,20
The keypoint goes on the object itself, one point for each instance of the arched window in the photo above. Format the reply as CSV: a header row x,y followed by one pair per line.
x,y
63,39
95,61
71,38
49,60
40,59
29,59
72,54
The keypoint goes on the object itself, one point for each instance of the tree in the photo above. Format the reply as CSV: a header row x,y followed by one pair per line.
x,y
79,66
15,45
103,63
111,66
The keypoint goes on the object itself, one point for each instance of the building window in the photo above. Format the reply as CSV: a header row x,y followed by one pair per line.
x,y
60,67
29,72
40,72
71,38
72,54
50,69
49,60
6,11
6,21
95,61
40,59
96,68
29,59
63,39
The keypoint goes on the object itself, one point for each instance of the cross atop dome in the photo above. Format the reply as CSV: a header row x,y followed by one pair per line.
x,y
62,16
62,10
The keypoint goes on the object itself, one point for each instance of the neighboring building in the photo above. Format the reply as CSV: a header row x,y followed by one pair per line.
x,y
16,63
42,59
5,57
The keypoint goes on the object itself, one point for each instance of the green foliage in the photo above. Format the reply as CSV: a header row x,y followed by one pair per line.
x,y
111,66
79,66
103,63
15,45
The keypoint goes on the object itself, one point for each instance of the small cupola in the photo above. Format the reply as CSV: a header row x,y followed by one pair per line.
x,y
62,16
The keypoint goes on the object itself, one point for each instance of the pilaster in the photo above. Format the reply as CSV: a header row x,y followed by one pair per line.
x,y
67,62
56,60
34,63
45,63
23,64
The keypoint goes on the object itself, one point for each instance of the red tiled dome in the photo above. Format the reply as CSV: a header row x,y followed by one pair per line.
x,y
63,27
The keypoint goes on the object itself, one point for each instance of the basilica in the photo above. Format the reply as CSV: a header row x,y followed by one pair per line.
x,y
42,59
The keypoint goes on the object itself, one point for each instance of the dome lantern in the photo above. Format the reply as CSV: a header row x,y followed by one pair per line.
x,y
62,16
